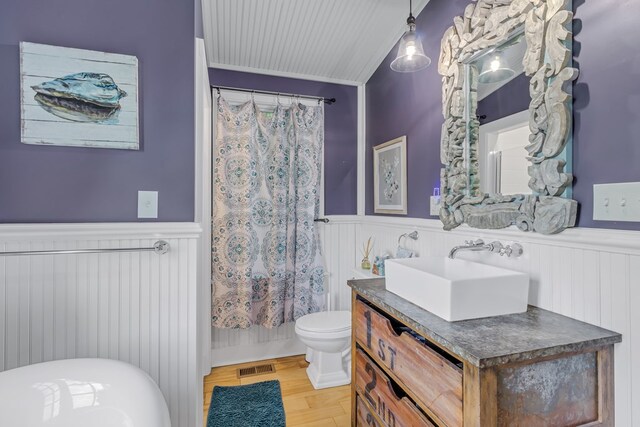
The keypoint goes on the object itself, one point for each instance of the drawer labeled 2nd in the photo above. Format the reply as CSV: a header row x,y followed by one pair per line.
x,y
376,389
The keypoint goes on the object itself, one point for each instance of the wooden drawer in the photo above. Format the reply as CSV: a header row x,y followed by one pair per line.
x,y
364,417
375,387
432,380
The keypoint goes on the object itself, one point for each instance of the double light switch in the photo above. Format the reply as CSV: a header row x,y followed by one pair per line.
x,y
616,202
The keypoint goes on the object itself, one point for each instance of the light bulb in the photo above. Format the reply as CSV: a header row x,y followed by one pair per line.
x,y
495,64
410,50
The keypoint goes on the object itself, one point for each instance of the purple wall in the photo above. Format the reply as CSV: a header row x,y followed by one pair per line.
x,y
410,104
606,105
509,99
64,184
341,130
606,101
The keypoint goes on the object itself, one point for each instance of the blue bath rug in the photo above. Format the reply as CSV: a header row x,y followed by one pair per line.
x,y
252,405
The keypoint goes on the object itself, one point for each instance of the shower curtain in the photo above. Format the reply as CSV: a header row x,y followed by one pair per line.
x,y
266,262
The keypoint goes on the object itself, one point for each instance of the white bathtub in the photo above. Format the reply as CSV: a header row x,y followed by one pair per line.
x,y
81,393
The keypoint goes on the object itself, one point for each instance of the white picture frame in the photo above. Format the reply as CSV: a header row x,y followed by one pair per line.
x,y
390,177
78,98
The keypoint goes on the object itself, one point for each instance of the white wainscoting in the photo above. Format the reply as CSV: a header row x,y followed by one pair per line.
x,y
137,307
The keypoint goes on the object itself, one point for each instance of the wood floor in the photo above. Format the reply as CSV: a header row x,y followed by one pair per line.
x,y
303,405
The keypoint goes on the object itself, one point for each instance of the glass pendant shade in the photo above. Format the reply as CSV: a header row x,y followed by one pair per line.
x,y
494,71
411,55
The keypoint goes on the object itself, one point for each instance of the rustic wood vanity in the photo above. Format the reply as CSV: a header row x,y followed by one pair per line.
x,y
412,368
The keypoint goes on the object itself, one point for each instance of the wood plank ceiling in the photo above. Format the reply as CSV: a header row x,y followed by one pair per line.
x,y
330,40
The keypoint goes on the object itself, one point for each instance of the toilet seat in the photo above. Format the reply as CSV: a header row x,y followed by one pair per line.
x,y
329,322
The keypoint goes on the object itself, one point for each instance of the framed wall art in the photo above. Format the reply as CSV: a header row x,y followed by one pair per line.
x,y
390,177
77,97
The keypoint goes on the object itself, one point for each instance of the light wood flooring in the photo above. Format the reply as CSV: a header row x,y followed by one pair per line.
x,y
303,405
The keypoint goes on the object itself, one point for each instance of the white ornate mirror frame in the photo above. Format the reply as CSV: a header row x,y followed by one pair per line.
x,y
487,24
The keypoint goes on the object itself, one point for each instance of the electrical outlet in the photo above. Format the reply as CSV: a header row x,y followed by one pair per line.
x,y
147,204
434,205
617,202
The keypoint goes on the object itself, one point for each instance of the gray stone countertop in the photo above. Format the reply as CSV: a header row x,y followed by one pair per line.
x,y
492,341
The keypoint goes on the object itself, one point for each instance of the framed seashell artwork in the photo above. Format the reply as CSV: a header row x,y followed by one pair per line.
x,y
390,177
78,98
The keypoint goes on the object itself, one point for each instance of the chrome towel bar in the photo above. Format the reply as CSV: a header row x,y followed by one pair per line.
x,y
160,247
413,236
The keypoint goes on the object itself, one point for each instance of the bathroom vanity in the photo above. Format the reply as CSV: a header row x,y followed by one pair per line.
x,y
412,368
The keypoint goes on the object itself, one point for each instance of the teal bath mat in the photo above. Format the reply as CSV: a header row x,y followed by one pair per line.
x,y
253,405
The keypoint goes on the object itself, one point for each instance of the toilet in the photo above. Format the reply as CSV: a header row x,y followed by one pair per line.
x,y
327,336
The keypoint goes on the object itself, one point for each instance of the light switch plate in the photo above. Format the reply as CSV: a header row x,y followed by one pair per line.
x,y
147,204
616,202
434,205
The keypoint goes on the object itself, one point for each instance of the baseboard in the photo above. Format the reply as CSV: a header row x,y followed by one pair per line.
x,y
255,352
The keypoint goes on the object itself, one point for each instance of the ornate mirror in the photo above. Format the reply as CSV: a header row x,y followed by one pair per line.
x,y
514,171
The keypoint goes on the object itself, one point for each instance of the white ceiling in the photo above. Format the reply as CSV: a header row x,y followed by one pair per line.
x,y
331,40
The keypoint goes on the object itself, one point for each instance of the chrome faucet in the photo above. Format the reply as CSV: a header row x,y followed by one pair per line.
x,y
514,250
472,245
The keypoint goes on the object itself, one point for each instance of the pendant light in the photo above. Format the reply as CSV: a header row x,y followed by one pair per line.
x,y
411,55
494,71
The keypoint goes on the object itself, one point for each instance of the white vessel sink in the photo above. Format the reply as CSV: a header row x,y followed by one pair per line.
x,y
454,289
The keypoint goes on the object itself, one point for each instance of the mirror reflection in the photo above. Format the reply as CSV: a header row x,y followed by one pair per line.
x,y
503,157
498,118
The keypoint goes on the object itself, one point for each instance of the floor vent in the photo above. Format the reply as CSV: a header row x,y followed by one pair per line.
x,y
256,370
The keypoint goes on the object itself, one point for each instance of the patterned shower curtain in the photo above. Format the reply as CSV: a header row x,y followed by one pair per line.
x,y
266,260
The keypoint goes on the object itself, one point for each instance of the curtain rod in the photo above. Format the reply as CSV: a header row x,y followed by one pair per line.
x,y
266,92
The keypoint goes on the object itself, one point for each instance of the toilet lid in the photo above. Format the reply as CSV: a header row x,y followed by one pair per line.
x,y
326,321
